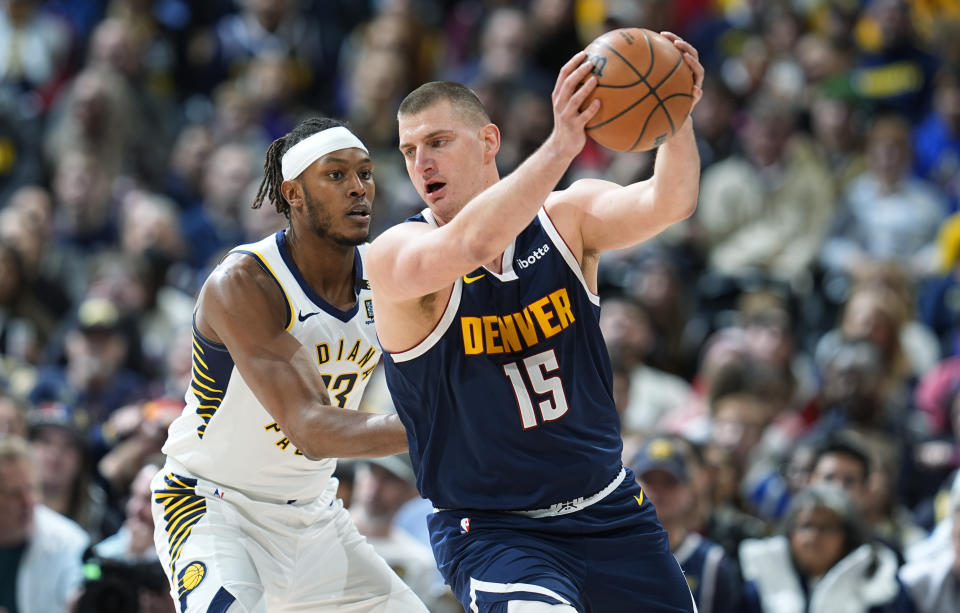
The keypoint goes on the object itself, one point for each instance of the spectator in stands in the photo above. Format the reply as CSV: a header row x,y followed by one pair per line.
x,y
630,338
768,208
186,165
893,71
822,562
94,379
64,468
936,141
37,52
96,114
381,487
934,580
668,471
26,325
843,462
214,226
13,415
133,542
886,213
84,215
41,550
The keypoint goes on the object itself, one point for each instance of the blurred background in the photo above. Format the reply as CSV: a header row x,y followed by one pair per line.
x,y
814,296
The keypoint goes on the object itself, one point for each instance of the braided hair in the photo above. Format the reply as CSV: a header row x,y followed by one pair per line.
x,y
272,167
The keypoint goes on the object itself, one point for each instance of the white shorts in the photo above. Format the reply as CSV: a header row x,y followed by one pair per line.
x,y
224,551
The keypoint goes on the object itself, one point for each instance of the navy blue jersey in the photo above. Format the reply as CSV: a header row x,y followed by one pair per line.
x,y
508,403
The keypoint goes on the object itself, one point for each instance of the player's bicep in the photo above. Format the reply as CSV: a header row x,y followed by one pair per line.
x,y
249,316
411,260
613,217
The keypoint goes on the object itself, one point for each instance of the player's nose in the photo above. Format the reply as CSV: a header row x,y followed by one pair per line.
x,y
356,188
423,161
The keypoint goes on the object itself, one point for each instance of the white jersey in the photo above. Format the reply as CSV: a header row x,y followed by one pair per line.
x,y
226,436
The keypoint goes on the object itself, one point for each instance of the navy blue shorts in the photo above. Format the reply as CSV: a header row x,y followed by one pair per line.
x,y
611,557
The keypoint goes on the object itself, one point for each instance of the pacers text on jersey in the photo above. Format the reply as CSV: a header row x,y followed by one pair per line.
x,y
513,332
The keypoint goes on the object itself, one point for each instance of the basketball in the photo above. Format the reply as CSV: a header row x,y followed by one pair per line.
x,y
645,89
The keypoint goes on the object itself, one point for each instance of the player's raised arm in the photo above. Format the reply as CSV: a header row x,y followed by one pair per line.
x,y
439,131
601,216
242,307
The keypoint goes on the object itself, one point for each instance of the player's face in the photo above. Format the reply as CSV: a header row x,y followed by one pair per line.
x,y
338,192
444,154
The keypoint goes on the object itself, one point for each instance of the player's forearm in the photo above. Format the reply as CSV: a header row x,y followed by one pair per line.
x,y
494,217
676,177
332,432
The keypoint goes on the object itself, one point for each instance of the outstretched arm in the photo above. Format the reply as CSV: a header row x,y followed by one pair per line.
x,y
410,260
613,217
241,307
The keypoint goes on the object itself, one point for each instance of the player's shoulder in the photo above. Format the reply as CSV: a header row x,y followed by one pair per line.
x,y
566,207
240,274
386,243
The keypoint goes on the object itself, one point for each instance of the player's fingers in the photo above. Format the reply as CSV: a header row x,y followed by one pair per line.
x,y
576,81
587,114
681,44
697,69
581,94
571,65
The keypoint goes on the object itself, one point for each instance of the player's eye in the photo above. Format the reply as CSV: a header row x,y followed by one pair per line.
x,y
365,175
336,175
440,142
410,153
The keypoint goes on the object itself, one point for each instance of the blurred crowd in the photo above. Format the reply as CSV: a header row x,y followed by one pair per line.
x,y
786,361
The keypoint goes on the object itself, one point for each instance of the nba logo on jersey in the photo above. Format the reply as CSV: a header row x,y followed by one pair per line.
x,y
464,525
368,305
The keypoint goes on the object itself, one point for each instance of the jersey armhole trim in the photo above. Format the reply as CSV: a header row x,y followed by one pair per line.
x,y
453,305
567,254
206,342
267,269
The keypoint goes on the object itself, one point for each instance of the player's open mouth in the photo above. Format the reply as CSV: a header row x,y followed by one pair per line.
x,y
360,212
432,187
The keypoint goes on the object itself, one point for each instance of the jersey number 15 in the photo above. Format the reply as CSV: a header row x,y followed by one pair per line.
x,y
537,366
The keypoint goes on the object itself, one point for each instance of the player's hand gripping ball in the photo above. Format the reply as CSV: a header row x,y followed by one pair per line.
x,y
645,88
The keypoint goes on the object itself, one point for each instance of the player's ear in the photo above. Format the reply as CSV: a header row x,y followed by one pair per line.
x,y
490,134
293,192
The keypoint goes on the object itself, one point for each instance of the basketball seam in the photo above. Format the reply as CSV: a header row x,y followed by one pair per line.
x,y
652,91
660,105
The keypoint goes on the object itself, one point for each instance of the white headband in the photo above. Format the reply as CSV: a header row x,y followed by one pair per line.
x,y
314,147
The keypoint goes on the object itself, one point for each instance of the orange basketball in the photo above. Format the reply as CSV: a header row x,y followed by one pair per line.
x,y
644,86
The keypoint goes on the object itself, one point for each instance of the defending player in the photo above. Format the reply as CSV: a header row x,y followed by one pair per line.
x,y
488,314
284,344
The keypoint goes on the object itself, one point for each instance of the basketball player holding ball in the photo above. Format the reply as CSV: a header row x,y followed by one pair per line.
x,y
487,312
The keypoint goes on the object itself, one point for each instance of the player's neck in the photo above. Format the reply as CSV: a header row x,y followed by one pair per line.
x,y
327,266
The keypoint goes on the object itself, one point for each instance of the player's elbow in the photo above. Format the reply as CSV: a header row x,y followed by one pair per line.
x,y
686,207
317,448
680,201
310,436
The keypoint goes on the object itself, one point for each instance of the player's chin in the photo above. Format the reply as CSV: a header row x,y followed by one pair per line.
x,y
354,238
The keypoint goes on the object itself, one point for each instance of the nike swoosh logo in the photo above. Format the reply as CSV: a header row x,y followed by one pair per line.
x,y
303,317
467,279
639,499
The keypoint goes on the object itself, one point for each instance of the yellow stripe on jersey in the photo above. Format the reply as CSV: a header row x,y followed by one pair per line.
x,y
182,509
209,395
